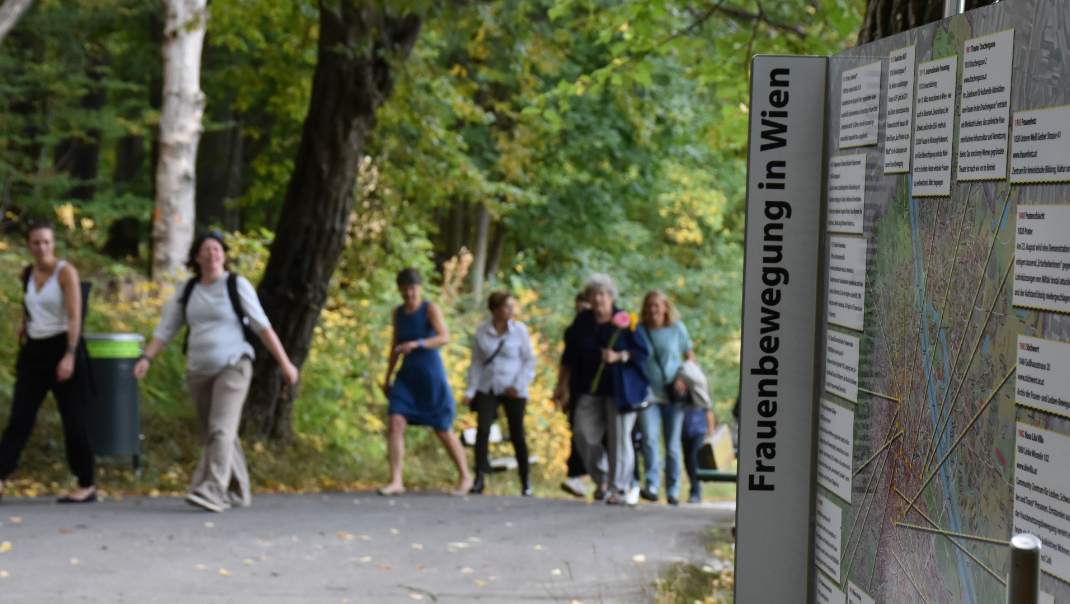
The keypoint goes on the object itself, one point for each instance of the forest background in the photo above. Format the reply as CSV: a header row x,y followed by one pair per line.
x,y
553,138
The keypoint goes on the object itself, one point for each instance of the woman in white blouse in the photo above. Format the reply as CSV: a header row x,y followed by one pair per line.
x,y
503,365
51,358
219,366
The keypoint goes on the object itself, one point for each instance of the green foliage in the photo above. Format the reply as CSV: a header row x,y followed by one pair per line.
x,y
601,135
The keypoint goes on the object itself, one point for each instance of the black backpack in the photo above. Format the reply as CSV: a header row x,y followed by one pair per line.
x,y
235,303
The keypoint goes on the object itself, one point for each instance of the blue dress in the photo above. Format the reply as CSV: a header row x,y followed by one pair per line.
x,y
421,394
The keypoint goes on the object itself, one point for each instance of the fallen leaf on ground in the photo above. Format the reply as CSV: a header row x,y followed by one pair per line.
x,y
224,572
473,539
385,566
65,531
394,531
458,545
262,558
480,583
465,571
74,561
416,596
201,567
356,502
5,547
209,525
556,571
344,535
492,578
366,559
247,561
538,548
4,574
365,538
15,520
417,546
639,558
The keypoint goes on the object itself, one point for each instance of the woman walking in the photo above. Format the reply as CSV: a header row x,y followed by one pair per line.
x,y
503,365
421,394
604,359
215,305
51,358
670,344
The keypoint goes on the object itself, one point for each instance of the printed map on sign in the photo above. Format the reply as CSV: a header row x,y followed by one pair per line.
x,y
933,391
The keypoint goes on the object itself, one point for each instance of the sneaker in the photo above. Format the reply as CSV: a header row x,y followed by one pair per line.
x,y
631,497
601,492
200,501
672,500
696,498
614,499
649,494
574,486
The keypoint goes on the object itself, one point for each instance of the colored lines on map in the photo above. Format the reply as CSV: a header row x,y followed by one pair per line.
x,y
966,327
991,397
912,581
937,434
879,451
951,536
879,395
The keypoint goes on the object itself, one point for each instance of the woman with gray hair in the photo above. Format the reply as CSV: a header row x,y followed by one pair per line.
x,y
605,360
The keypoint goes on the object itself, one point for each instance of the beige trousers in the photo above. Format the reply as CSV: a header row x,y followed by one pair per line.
x,y
221,476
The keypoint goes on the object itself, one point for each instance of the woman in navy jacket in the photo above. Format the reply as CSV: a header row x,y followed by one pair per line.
x,y
605,359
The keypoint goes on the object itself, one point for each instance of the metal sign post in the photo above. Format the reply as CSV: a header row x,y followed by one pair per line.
x,y
1023,586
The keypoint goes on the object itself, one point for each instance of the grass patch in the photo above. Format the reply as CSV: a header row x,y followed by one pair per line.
x,y
688,583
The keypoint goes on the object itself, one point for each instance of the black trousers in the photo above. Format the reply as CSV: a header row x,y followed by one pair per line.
x,y
575,462
35,376
486,408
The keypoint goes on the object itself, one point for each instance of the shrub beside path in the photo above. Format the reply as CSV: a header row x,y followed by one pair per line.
x,y
346,547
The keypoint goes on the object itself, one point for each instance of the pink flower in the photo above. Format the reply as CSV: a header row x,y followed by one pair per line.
x,y
622,320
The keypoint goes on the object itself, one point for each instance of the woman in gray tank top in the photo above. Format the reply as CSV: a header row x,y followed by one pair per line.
x,y
51,358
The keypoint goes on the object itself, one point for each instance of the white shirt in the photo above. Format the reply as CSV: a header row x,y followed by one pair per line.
x,y
513,367
46,309
216,338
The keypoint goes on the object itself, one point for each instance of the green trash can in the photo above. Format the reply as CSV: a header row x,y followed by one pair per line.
x,y
115,405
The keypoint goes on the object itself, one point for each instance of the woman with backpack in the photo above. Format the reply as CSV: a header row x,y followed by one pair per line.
x,y
503,365
216,304
51,358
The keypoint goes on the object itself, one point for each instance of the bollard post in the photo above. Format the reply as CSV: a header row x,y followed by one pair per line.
x,y
954,7
1023,585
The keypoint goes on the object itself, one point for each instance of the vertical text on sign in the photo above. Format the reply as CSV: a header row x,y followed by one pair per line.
x,y
781,288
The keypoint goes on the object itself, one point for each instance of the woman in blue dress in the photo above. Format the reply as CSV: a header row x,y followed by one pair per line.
x,y
420,394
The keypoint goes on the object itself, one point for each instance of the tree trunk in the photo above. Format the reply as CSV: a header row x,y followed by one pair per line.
x,y
455,238
497,247
11,11
80,157
479,250
358,48
884,18
231,211
180,132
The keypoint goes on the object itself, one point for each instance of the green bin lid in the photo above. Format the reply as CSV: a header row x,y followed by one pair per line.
x,y
114,345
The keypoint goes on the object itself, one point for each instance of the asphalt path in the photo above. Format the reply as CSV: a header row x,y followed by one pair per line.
x,y
346,548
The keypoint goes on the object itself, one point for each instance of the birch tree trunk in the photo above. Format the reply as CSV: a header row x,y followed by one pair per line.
x,y
180,132
11,11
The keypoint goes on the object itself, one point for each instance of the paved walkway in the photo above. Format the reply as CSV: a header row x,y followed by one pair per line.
x,y
345,547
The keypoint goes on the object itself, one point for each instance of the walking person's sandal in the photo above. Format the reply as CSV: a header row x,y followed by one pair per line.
x,y
90,498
